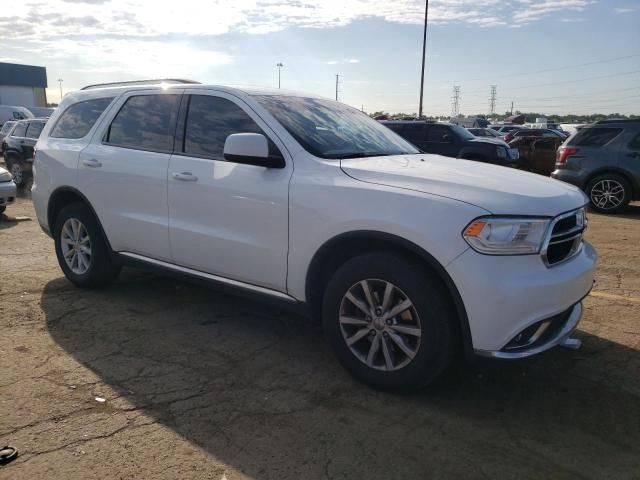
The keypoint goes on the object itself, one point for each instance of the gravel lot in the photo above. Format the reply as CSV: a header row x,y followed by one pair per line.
x,y
201,384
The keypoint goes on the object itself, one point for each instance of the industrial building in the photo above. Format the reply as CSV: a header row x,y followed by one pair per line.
x,y
23,85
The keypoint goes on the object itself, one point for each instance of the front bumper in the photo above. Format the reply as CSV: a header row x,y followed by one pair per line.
x,y
558,337
505,295
7,193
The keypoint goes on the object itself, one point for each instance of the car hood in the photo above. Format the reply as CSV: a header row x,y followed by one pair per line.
x,y
499,190
494,141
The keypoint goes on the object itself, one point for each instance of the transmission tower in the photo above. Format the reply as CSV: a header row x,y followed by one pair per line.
x,y
455,101
492,99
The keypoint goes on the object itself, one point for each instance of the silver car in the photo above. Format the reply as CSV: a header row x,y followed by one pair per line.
x,y
7,189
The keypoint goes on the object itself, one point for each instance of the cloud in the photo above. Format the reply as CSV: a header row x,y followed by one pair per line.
x,y
532,10
624,10
146,18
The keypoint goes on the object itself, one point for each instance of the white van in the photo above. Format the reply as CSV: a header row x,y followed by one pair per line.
x,y
9,112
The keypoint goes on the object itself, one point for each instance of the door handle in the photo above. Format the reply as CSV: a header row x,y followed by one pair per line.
x,y
93,163
184,176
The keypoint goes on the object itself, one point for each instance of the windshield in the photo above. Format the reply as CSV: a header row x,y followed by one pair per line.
x,y
462,132
329,129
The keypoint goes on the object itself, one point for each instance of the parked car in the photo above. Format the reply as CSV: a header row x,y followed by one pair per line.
x,y
9,112
4,131
18,149
453,141
603,159
392,248
41,112
532,132
537,154
505,128
7,189
485,132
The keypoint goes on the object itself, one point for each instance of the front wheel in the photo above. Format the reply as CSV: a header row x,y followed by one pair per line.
x,y
609,193
389,322
83,254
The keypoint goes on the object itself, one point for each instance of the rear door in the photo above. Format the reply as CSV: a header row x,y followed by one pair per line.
x,y
123,171
31,138
226,218
442,141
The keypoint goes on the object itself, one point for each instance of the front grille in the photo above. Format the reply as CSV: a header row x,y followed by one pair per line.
x,y
565,238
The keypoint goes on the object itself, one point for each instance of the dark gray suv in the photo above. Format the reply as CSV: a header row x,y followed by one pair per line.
x,y
603,159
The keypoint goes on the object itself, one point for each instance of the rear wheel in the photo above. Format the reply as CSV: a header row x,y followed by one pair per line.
x,y
18,173
83,254
389,322
609,193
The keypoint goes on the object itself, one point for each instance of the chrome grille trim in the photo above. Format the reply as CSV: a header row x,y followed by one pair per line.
x,y
572,236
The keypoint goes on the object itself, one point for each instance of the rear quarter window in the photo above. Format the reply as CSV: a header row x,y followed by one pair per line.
x,y
20,130
77,120
595,136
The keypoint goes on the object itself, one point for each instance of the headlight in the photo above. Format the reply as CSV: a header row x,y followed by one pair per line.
x,y
502,152
506,236
5,177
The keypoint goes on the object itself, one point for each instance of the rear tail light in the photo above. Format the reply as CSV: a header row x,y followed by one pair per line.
x,y
563,154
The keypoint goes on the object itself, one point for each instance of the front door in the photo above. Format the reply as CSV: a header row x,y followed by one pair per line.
x,y
225,218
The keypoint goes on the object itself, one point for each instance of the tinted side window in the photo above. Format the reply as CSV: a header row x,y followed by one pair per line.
x,y
6,127
20,130
595,137
146,122
35,129
635,143
210,120
414,132
77,120
436,132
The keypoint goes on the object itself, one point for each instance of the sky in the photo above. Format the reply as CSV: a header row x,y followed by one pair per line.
x,y
549,56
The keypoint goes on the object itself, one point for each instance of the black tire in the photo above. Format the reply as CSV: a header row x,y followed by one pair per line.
x,y
436,348
101,270
615,182
22,179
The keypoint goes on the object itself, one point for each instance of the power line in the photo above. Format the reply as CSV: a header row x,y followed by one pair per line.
x,y
533,85
509,75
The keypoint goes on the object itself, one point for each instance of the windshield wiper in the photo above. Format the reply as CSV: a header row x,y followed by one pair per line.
x,y
363,155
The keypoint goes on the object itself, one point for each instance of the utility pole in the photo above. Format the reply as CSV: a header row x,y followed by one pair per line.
x,y
337,83
511,107
279,65
424,51
492,99
60,83
455,104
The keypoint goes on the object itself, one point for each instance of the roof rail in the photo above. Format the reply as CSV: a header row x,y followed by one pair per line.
x,y
140,82
619,120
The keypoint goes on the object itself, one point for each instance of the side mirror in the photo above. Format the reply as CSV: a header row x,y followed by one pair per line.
x,y
250,149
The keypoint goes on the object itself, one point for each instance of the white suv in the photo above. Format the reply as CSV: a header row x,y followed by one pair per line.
x,y
408,258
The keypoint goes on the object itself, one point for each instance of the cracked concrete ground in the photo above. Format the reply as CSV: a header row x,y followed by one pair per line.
x,y
200,384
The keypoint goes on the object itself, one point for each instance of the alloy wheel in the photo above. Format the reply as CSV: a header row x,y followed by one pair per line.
x,y
607,194
380,325
76,246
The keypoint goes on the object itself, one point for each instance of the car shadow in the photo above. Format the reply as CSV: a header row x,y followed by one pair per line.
x,y
7,221
257,387
631,211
